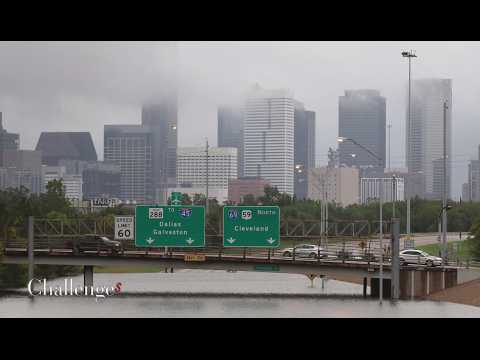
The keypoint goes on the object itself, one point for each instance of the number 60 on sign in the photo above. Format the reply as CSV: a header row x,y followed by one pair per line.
x,y
124,228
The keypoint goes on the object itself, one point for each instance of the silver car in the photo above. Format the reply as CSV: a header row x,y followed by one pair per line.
x,y
305,250
412,256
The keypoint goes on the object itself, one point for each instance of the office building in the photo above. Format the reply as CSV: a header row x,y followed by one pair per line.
x,y
337,185
304,150
466,192
473,185
191,167
161,119
230,131
241,187
56,146
437,189
219,194
130,147
269,138
23,168
362,118
425,134
72,184
101,180
8,141
392,189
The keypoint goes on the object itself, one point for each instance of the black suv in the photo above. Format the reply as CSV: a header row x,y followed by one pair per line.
x,y
96,243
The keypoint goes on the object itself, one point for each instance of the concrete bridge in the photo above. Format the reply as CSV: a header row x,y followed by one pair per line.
x,y
414,282
343,260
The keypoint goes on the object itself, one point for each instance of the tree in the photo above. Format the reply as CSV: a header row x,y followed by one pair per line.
x,y
198,199
249,199
186,199
475,240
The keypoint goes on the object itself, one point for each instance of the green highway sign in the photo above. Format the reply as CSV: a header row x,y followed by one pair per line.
x,y
171,226
177,198
266,267
251,226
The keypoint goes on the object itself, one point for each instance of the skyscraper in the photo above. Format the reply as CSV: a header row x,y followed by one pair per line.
x,y
56,146
130,147
23,168
304,150
425,134
473,186
161,118
362,117
222,166
8,141
269,137
230,131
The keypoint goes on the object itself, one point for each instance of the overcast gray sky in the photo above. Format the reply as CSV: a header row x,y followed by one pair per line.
x,y
80,86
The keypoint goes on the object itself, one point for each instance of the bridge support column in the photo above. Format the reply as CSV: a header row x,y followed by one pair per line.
x,y
31,261
88,276
364,287
412,285
428,282
395,247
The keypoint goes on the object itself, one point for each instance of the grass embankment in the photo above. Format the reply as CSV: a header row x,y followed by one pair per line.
x,y
460,249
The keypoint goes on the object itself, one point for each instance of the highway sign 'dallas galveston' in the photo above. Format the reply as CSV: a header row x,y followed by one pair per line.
x,y
251,226
171,226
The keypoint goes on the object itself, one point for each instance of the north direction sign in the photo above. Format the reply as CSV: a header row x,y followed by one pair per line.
x,y
169,226
251,226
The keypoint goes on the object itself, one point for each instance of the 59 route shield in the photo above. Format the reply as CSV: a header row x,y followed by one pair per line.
x,y
251,226
171,226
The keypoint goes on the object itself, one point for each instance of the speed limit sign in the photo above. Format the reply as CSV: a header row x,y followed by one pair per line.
x,y
124,228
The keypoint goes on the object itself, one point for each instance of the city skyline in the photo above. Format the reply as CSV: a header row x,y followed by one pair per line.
x,y
317,72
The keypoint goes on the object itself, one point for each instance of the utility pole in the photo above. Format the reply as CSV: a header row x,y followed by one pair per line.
x,y
394,194
381,241
206,180
389,145
445,194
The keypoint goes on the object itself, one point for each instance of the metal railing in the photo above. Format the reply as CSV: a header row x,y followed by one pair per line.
x,y
58,237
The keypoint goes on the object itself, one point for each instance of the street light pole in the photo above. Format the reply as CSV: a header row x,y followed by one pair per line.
x,y
206,180
409,54
445,194
381,164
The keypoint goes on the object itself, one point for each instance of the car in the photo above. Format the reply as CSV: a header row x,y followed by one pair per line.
x,y
412,256
96,243
305,250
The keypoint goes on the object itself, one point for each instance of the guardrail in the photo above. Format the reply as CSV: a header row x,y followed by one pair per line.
x,y
351,251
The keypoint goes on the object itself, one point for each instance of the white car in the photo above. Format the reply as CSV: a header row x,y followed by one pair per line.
x,y
412,256
305,250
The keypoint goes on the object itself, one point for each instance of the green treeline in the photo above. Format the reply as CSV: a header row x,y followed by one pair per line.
x,y
17,204
15,207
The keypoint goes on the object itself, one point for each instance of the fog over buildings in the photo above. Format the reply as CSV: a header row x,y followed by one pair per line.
x,y
81,86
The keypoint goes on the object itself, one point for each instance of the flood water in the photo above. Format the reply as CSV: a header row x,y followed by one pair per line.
x,y
196,293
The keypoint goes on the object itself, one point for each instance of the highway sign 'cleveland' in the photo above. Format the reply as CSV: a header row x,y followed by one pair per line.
x,y
251,226
174,226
